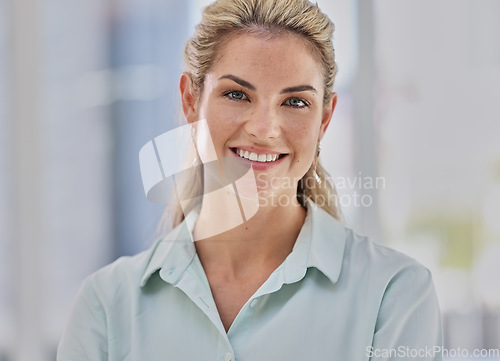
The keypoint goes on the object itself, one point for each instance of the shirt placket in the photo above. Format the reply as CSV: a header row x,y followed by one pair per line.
x,y
192,287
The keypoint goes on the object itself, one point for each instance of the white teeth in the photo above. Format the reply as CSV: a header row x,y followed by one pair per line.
x,y
257,157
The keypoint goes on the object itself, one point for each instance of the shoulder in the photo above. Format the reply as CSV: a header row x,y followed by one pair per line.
x,y
123,276
348,257
373,254
385,291
396,285
401,294
382,268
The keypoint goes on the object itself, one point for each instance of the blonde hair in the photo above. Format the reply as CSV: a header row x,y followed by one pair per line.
x,y
225,19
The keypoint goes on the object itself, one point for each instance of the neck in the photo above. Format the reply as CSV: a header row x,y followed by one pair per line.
x,y
263,241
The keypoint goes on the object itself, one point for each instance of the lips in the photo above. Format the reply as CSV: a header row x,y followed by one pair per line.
x,y
257,157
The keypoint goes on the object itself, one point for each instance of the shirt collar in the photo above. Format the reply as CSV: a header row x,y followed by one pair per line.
x,y
320,244
326,240
172,254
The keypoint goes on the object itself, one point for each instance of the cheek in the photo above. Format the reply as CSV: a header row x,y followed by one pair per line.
x,y
305,139
306,157
205,143
222,125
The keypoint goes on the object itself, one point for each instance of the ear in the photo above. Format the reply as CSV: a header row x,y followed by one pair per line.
x,y
327,115
189,98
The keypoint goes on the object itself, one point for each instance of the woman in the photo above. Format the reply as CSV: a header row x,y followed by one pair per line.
x,y
271,274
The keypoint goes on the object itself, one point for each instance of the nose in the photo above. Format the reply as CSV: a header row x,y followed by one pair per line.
x,y
263,124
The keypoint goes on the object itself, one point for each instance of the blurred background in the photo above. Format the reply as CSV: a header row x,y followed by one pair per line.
x,y
414,146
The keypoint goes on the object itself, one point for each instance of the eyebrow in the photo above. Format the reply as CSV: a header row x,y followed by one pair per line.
x,y
240,81
245,84
300,88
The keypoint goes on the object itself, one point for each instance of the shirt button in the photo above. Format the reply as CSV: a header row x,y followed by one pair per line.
x,y
228,357
254,303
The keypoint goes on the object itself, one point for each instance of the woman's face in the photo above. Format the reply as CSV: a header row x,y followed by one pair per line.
x,y
263,104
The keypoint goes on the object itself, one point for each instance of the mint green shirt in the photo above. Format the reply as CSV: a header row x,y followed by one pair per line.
x,y
337,296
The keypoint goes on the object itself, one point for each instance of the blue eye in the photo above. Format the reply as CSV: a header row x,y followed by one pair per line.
x,y
296,103
235,95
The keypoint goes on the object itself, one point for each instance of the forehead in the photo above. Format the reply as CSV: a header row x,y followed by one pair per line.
x,y
283,59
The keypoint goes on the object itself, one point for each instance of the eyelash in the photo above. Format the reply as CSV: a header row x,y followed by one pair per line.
x,y
229,94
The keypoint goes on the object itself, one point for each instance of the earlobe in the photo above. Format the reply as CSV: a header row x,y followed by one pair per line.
x,y
327,115
188,97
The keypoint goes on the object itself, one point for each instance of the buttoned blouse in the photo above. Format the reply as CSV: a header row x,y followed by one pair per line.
x,y
337,296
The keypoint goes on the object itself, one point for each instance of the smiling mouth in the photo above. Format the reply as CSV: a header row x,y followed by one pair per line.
x,y
262,158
